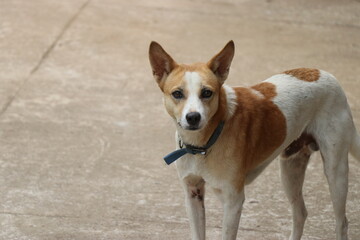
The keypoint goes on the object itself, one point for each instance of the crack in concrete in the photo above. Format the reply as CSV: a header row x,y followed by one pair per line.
x,y
44,56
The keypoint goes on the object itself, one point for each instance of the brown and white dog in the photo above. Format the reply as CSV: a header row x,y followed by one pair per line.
x,y
290,114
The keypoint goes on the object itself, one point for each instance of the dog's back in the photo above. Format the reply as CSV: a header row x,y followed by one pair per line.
x,y
312,101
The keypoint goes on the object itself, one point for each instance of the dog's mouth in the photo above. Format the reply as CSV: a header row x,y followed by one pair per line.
x,y
190,128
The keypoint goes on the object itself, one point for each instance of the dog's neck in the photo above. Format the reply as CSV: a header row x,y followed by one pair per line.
x,y
226,108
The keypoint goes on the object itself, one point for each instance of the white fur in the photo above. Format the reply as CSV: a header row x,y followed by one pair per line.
x,y
292,176
257,93
230,100
193,102
355,147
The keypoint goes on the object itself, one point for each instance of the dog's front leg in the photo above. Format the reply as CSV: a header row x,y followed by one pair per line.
x,y
233,203
195,192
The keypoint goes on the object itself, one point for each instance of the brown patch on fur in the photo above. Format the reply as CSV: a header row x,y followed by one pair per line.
x,y
218,116
263,123
257,129
305,74
305,140
266,89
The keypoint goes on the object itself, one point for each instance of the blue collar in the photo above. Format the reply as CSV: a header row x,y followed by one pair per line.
x,y
171,157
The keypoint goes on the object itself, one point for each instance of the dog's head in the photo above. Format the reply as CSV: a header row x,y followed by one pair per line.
x,y
191,92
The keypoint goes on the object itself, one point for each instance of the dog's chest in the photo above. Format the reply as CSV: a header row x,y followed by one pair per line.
x,y
216,174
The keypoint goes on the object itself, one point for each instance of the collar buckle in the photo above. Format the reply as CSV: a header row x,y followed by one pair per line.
x,y
196,150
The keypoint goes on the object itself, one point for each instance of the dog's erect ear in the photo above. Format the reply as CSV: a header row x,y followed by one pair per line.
x,y
161,62
221,62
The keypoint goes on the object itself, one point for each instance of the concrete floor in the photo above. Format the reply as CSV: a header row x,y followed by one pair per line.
x,y
83,130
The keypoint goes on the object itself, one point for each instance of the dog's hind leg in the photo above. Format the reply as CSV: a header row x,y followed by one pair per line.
x,y
336,170
334,133
195,192
293,162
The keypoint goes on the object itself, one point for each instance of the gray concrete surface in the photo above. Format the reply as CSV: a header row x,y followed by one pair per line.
x,y
83,130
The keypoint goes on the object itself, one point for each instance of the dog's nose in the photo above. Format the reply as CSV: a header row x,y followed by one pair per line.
x,y
193,118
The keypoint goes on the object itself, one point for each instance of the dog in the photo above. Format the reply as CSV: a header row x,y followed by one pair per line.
x,y
226,136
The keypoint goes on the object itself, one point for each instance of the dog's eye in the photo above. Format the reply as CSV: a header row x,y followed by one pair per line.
x,y
206,93
177,94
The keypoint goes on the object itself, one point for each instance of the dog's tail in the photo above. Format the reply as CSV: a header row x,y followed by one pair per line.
x,y
355,147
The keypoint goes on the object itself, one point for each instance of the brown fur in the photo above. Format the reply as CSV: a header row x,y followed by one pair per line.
x,y
255,131
266,89
221,62
305,74
161,62
262,124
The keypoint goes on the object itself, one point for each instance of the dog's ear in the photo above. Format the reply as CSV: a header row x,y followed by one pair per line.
x,y
220,63
161,63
